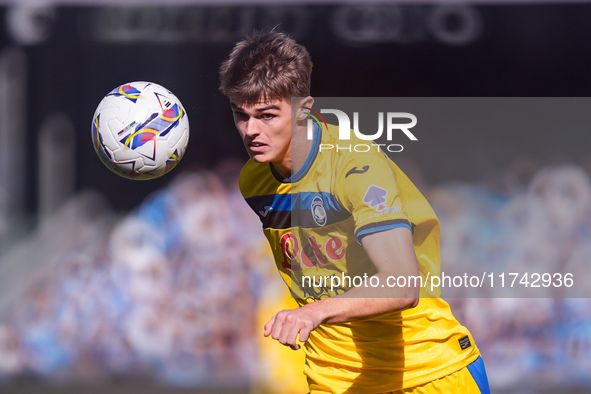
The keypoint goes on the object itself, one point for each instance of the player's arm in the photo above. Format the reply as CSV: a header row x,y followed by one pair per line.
x,y
392,253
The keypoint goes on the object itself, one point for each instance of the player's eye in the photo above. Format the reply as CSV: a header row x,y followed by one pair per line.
x,y
240,115
267,116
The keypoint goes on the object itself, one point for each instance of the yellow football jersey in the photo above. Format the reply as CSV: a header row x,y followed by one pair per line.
x,y
314,222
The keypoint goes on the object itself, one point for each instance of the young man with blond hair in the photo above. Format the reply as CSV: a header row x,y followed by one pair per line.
x,y
321,217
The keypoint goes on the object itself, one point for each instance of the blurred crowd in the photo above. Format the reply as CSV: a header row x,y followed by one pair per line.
x,y
534,220
170,292
166,294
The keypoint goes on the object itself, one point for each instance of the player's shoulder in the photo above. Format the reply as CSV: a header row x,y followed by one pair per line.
x,y
251,167
368,163
257,179
353,151
250,173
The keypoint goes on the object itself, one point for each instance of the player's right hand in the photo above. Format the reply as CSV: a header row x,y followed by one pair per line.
x,y
286,325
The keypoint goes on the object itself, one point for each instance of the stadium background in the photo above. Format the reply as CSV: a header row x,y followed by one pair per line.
x,y
112,285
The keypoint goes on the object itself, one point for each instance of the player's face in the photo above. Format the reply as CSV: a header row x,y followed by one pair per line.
x,y
265,129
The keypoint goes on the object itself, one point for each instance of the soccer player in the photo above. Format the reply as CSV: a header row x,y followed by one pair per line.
x,y
343,226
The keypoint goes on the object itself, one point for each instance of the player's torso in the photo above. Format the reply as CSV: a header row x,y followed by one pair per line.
x,y
312,230
309,230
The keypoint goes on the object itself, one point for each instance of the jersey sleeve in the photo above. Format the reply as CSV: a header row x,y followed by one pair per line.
x,y
370,192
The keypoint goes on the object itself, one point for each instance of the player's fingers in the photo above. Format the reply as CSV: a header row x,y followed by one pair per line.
x,y
289,337
278,324
293,341
269,325
289,334
305,331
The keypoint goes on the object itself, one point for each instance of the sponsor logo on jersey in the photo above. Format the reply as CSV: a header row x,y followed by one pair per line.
x,y
356,170
266,211
465,342
375,197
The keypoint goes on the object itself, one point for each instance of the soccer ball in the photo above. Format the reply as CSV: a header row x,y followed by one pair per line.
x,y
140,130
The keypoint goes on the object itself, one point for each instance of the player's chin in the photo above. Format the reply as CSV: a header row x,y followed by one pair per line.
x,y
258,157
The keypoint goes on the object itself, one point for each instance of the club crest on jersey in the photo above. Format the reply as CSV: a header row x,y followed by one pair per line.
x,y
375,197
318,211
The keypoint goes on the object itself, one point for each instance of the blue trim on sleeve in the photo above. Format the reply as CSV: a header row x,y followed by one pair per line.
x,y
380,228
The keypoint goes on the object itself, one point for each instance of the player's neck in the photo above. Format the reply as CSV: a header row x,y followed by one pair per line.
x,y
297,154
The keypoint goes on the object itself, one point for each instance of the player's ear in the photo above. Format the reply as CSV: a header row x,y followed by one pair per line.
x,y
305,107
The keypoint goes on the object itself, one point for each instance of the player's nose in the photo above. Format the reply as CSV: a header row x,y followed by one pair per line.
x,y
251,129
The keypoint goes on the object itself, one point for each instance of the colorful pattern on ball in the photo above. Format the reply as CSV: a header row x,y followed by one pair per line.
x,y
128,91
140,130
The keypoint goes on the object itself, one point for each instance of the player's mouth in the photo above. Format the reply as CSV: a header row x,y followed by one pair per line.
x,y
256,146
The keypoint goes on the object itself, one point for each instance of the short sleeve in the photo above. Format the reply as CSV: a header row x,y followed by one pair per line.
x,y
370,192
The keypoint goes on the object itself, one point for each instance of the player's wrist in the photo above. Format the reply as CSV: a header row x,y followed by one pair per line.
x,y
322,310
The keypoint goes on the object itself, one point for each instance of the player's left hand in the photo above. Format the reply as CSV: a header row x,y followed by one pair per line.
x,y
285,326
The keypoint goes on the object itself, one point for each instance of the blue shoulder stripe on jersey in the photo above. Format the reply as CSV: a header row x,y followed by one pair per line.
x,y
382,226
286,202
292,210
274,210
277,202
303,200
306,212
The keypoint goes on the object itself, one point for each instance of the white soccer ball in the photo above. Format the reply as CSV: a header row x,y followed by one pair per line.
x,y
140,130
